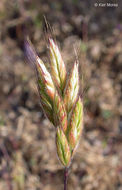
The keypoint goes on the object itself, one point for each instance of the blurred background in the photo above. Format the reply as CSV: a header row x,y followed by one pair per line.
x,y
28,159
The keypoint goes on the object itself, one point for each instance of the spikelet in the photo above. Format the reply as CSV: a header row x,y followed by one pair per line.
x,y
46,87
57,66
60,115
45,80
75,125
63,149
72,88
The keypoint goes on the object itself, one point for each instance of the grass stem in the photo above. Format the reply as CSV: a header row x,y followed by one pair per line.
x,y
65,178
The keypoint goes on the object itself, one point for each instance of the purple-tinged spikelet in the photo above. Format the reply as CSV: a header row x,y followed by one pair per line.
x,y
46,87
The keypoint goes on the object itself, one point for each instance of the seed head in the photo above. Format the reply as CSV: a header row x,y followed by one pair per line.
x,y
59,100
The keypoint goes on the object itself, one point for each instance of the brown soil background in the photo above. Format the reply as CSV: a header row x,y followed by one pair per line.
x,y
28,159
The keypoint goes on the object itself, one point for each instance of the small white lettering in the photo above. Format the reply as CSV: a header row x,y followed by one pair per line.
x,y
112,4
106,4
